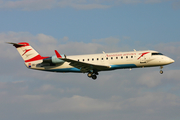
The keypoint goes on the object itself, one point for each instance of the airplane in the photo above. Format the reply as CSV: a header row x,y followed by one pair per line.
x,y
91,64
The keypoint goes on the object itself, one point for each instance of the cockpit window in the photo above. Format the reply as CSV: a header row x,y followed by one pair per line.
x,y
157,54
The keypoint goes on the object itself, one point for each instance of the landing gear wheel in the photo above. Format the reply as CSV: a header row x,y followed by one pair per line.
x,y
94,77
96,73
161,71
89,74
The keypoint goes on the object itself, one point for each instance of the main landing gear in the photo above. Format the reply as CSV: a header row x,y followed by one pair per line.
x,y
161,71
92,75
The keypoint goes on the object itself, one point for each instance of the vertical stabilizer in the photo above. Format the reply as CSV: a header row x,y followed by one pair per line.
x,y
27,52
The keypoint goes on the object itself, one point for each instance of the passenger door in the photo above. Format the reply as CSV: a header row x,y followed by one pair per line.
x,y
143,59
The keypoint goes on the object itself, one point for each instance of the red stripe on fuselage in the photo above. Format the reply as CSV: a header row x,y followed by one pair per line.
x,y
143,55
38,57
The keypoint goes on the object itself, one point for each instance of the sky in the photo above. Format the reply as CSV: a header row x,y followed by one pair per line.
x,y
76,27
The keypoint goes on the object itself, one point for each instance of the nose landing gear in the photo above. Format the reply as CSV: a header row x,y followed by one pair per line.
x,y
161,71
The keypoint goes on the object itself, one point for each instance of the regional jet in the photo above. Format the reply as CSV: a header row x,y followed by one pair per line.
x,y
91,64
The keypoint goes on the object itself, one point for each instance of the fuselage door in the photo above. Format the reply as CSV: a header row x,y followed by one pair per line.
x,y
143,59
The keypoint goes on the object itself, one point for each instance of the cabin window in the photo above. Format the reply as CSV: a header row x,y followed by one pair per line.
x,y
126,56
88,59
111,58
101,58
78,60
157,54
83,59
92,59
107,58
131,56
97,58
116,57
121,57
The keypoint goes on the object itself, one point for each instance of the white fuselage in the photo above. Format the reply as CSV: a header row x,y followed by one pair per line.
x,y
119,60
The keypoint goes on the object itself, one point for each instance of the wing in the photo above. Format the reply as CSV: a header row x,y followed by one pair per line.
x,y
84,67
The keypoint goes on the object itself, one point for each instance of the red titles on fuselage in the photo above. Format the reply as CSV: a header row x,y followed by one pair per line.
x,y
116,55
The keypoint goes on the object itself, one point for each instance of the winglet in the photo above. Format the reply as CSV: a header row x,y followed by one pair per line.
x,y
57,54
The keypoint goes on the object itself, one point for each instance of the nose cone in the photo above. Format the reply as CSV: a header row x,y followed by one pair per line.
x,y
171,60
166,60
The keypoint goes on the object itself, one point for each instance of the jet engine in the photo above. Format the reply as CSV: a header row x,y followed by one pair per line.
x,y
53,60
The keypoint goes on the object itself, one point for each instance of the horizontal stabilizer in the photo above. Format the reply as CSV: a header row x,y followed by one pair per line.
x,y
15,44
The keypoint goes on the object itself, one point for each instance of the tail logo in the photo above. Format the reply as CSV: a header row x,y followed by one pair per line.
x,y
25,51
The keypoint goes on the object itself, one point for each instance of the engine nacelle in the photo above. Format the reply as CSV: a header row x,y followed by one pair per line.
x,y
53,60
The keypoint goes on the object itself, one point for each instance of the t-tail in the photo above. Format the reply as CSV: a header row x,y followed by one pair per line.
x,y
29,55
